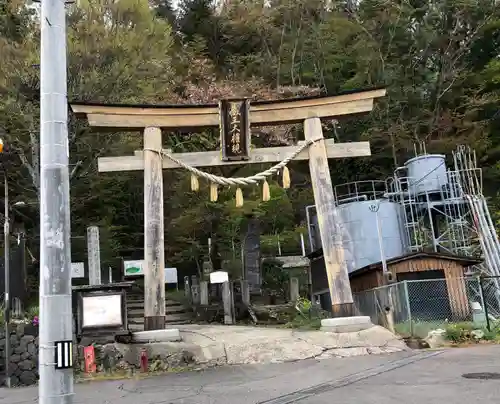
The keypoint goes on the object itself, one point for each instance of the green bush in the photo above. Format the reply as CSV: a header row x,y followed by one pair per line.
x,y
491,335
274,277
32,312
306,316
459,332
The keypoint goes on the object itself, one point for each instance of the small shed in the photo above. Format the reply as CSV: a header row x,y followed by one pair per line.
x,y
410,267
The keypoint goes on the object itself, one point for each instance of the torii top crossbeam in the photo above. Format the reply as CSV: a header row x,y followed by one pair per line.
x,y
262,113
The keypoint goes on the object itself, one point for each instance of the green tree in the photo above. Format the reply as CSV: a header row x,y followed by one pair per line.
x,y
164,9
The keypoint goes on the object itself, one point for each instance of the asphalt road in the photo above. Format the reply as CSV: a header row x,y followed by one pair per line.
x,y
429,377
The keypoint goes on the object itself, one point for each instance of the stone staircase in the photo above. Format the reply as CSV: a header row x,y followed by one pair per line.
x,y
175,312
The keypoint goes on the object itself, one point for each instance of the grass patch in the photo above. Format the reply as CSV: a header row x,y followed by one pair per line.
x,y
302,323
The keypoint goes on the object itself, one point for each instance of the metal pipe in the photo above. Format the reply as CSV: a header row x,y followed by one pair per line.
x,y
302,245
308,220
400,169
375,208
56,321
485,305
6,232
408,306
353,198
431,224
388,194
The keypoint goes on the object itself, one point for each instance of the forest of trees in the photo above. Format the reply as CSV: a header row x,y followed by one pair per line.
x,y
439,59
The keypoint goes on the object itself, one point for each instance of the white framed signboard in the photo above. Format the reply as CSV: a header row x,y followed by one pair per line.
x,y
77,270
102,311
133,268
171,275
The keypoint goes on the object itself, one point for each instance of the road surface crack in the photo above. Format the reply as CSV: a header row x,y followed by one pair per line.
x,y
300,395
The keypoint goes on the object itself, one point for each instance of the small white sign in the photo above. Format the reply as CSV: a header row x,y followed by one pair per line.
x,y
171,275
134,268
219,277
77,270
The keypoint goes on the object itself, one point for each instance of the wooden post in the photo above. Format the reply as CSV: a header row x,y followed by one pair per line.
x,y
194,280
294,289
94,255
336,270
195,294
227,300
204,293
187,288
154,249
245,292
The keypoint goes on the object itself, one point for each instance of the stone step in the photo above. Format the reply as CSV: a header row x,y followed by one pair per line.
x,y
135,312
140,304
169,318
140,327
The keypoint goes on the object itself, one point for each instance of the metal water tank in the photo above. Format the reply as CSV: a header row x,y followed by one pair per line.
x,y
358,225
427,173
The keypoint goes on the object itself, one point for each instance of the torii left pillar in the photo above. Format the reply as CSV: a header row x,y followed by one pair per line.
x,y
154,246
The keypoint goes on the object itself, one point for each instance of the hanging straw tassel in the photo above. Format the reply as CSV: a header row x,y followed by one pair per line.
x,y
195,185
239,198
266,195
213,192
286,178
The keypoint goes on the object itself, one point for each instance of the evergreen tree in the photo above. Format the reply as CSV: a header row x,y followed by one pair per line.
x,y
197,20
164,9
15,19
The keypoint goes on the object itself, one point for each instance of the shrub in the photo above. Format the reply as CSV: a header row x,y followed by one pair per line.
x,y
459,332
306,316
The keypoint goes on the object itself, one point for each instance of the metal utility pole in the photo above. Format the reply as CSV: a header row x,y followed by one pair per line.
x,y
56,322
6,253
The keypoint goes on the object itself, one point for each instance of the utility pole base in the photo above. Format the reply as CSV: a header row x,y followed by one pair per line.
x,y
343,310
154,323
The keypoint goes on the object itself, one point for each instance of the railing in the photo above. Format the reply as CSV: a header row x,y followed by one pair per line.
x,y
421,306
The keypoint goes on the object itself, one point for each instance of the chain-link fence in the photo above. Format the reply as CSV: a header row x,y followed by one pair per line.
x,y
419,306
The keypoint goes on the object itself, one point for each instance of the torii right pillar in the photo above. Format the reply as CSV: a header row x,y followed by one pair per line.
x,y
331,238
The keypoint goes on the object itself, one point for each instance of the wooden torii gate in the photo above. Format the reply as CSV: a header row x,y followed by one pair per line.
x,y
152,119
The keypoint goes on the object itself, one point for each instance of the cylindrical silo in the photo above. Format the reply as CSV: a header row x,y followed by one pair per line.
x,y
358,224
427,174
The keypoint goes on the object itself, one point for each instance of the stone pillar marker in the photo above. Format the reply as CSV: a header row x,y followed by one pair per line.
x,y
294,289
204,293
227,300
187,288
252,256
245,292
94,255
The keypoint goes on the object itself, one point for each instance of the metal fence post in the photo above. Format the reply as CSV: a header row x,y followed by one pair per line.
x,y
408,307
485,305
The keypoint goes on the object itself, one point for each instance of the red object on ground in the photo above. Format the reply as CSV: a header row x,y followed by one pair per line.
x,y
89,355
144,361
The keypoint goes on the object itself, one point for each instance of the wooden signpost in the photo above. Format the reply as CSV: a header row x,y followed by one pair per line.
x,y
234,118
